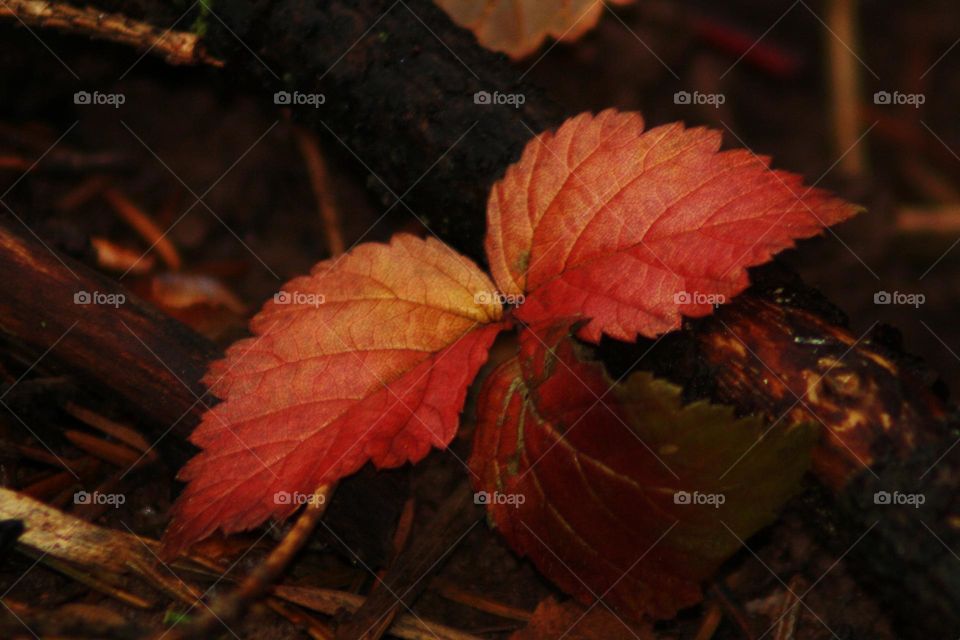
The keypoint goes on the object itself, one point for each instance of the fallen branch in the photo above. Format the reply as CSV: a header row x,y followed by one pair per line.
x,y
101,332
398,76
48,531
68,543
885,433
176,47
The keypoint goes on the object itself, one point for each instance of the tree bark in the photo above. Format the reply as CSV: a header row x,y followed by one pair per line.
x,y
887,502
103,334
398,79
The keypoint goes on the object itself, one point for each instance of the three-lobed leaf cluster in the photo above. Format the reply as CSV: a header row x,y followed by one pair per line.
x,y
601,228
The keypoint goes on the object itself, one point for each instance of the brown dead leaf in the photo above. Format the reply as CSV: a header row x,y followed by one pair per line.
x,y
519,27
573,621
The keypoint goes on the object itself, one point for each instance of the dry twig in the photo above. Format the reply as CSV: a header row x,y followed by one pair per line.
x,y
231,605
330,602
322,190
176,47
842,43
144,225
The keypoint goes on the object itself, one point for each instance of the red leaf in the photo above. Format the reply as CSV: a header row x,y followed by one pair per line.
x,y
605,221
366,359
585,476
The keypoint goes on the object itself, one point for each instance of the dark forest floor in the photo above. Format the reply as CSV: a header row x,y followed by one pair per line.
x,y
186,127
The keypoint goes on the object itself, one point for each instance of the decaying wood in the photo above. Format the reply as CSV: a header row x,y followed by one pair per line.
x,y
176,47
75,620
792,366
885,433
398,80
68,543
48,531
73,546
122,345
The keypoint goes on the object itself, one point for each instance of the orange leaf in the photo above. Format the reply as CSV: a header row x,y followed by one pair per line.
x,y
631,229
366,359
519,27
